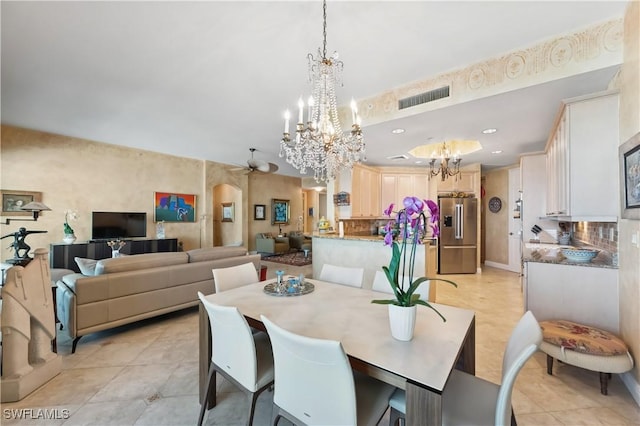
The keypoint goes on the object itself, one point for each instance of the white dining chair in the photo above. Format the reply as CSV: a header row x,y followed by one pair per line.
x,y
234,276
381,284
342,275
470,400
314,383
240,356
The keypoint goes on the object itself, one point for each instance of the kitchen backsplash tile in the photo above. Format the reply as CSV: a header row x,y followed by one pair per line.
x,y
597,234
362,226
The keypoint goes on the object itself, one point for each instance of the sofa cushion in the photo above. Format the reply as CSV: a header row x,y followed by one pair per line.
x,y
140,261
87,266
214,253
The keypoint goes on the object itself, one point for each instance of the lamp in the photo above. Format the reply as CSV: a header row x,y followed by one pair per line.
x,y
320,144
34,207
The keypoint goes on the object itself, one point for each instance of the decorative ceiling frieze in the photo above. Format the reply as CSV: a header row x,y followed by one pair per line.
x,y
593,48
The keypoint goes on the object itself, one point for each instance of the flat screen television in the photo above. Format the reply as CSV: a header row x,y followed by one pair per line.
x,y
109,225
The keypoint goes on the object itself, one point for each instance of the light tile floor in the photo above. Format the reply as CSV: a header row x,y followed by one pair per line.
x,y
147,373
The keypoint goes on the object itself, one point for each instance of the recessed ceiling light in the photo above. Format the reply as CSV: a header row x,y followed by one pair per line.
x,y
397,131
489,131
497,152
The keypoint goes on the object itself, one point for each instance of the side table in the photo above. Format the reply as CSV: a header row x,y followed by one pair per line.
x,y
56,274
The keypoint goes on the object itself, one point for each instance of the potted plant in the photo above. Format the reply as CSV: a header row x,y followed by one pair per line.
x,y
69,235
404,233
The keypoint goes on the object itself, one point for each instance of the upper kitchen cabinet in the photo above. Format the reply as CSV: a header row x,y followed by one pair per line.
x,y
465,181
582,158
395,186
365,193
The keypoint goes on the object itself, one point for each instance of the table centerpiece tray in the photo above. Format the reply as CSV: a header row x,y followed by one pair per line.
x,y
272,290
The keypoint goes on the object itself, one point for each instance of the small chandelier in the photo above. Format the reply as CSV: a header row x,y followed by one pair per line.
x,y
448,166
320,144
449,155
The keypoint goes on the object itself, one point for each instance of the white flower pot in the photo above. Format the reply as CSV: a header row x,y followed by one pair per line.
x,y
115,253
402,321
69,238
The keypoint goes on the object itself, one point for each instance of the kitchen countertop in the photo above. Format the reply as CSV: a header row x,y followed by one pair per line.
x,y
551,253
336,236
372,238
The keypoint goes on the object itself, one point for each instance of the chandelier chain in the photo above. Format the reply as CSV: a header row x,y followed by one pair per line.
x,y
324,29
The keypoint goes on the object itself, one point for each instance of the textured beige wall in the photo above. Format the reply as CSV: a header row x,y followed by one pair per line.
x,y
86,176
496,244
262,189
630,125
228,232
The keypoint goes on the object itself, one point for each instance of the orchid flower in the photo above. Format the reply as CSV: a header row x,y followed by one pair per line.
x,y
409,226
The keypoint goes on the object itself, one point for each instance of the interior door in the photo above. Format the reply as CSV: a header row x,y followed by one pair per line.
x,y
515,223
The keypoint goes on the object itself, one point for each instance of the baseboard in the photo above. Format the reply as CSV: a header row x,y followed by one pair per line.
x,y
496,265
632,384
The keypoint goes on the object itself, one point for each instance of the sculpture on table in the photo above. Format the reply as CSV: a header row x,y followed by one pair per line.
x,y
28,327
20,248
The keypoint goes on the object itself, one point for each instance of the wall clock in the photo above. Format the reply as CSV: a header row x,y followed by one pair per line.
x,y
495,204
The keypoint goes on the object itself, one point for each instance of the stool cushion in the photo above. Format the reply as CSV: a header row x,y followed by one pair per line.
x,y
582,338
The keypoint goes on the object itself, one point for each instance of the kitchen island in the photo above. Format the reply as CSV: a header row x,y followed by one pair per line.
x,y
370,253
554,288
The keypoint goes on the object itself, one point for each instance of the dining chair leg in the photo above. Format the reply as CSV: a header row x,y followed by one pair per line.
x,y
252,409
275,415
396,417
204,404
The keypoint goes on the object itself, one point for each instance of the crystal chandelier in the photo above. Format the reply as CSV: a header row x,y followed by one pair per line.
x,y
320,144
444,168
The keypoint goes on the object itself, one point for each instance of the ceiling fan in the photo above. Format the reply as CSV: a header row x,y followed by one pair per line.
x,y
254,165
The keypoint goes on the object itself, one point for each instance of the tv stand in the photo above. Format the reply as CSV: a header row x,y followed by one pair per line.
x,y
62,255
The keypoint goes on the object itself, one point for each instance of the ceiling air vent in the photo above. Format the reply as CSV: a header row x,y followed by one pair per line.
x,y
423,98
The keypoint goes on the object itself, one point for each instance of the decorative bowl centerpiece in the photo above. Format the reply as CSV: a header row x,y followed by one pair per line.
x,y
579,255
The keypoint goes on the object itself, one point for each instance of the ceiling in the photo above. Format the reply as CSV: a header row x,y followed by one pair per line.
x,y
209,80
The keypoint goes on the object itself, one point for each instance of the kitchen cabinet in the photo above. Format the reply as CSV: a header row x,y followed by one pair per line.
x,y
583,294
395,187
581,160
465,181
365,192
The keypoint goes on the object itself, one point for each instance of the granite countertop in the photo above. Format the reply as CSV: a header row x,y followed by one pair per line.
x,y
551,253
372,238
336,236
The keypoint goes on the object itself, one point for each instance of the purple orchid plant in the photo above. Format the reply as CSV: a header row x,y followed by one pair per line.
x,y
410,225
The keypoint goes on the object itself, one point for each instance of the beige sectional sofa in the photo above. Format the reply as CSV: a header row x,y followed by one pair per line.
x,y
131,288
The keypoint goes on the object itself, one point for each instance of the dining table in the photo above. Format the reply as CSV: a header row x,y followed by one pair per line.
x,y
332,311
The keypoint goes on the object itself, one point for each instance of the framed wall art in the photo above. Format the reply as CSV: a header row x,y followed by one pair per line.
x,y
259,211
173,207
630,178
227,212
279,212
13,201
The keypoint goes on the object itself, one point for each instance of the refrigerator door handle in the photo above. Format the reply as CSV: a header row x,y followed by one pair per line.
x,y
458,221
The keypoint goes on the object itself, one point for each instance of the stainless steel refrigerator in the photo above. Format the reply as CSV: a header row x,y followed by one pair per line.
x,y
457,247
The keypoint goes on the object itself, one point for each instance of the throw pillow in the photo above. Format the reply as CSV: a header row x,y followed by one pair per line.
x,y
87,266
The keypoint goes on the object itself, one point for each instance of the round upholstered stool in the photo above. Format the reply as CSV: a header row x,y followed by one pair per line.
x,y
585,347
